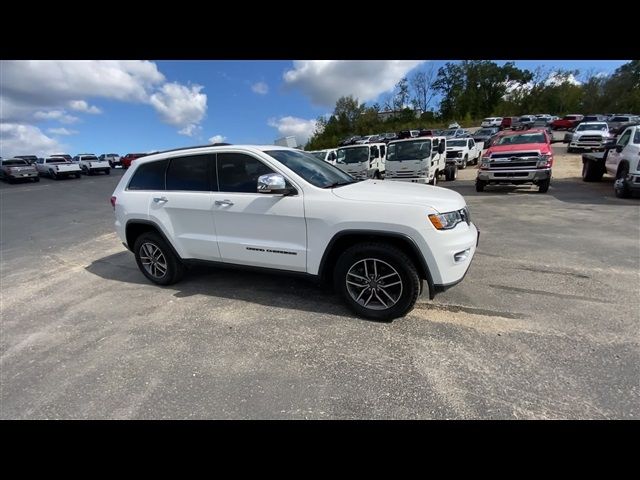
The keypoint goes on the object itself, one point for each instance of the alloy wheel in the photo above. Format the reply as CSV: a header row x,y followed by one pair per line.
x,y
374,284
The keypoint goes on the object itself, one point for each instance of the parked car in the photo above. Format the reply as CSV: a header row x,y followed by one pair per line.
x,y
350,140
491,122
419,160
57,168
507,122
328,155
129,158
619,123
544,124
454,125
112,158
12,169
280,208
425,132
463,151
593,118
455,133
621,161
365,139
387,137
31,159
517,158
566,122
590,136
362,161
90,164
523,123
485,135
66,156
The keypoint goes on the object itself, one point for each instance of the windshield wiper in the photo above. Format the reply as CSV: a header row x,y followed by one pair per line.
x,y
339,184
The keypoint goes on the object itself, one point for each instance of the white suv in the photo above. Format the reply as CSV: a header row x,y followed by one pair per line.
x,y
282,209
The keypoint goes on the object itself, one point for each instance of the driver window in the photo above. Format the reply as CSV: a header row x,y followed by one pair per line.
x,y
239,172
382,151
624,139
374,152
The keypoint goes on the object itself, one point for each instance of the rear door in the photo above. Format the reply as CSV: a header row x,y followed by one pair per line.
x,y
265,230
613,157
184,208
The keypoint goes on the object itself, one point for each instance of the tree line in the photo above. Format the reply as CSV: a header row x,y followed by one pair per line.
x,y
470,90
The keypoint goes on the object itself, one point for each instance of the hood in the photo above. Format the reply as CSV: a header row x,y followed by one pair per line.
x,y
386,191
542,147
590,132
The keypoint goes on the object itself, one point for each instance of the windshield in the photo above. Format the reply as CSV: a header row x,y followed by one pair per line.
x,y
91,159
457,143
522,138
56,160
319,155
353,155
450,133
591,126
15,162
484,131
317,172
619,119
415,150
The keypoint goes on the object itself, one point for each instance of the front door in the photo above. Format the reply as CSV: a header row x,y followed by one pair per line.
x,y
265,230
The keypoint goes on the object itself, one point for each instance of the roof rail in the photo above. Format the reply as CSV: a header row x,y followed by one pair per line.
x,y
190,148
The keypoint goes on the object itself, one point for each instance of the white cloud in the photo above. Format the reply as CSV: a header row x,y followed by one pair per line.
x,y
82,106
260,88
324,81
31,89
217,139
287,126
59,115
18,139
180,106
556,79
62,131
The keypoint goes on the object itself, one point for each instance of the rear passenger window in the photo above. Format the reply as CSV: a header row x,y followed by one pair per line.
x,y
636,137
238,172
149,176
190,173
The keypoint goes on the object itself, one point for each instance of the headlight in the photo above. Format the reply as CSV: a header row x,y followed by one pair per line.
x,y
423,171
445,221
484,163
545,161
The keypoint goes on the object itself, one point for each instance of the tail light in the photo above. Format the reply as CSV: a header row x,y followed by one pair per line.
x,y
113,202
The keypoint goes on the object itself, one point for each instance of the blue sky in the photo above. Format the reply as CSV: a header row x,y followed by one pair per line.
x,y
122,107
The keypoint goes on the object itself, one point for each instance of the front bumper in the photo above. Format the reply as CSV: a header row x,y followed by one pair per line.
x,y
16,176
507,176
462,239
424,180
589,145
633,182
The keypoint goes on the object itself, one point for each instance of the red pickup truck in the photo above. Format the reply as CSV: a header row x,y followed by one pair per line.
x,y
517,158
566,122
130,157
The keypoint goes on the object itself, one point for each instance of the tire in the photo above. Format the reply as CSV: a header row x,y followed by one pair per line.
x,y
111,164
108,171
448,173
10,180
377,175
434,180
620,187
464,162
591,171
152,243
543,186
36,179
391,263
53,175
480,184
570,150
78,175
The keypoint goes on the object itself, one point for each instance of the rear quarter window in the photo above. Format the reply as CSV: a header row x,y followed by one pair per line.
x,y
149,176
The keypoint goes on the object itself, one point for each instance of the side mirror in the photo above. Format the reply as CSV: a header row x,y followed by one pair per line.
x,y
619,148
273,183
441,147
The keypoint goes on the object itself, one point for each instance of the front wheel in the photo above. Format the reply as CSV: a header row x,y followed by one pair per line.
x,y
620,185
480,184
78,175
377,280
156,260
464,162
53,174
434,180
108,171
543,186
36,179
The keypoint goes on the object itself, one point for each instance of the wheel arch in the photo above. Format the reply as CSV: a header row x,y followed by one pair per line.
x,y
135,228
345,239
623,163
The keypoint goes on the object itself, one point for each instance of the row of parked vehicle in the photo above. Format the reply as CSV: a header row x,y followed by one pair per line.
x,y
62,165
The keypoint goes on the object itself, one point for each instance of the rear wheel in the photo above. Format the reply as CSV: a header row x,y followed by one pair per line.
x,y
53,174
480,184
108,171
464,162
591,171
156,260
377,280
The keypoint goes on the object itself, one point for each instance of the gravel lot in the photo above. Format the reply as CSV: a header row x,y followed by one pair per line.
x,y
545,325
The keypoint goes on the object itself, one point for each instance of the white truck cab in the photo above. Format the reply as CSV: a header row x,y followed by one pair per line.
x,y
464,151
418,160
328,156
362,161
91,164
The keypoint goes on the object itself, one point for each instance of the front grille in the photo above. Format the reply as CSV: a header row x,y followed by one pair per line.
x,y
590,138
510,174
508,165
515,154
454,154
406,174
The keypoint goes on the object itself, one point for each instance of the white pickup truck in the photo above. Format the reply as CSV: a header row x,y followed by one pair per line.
x,y
418,160
464,151
621,161
57,167
328,156
91,164
362,161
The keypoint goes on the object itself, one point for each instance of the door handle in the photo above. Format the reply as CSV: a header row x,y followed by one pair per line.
x,y
160,199
224,202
